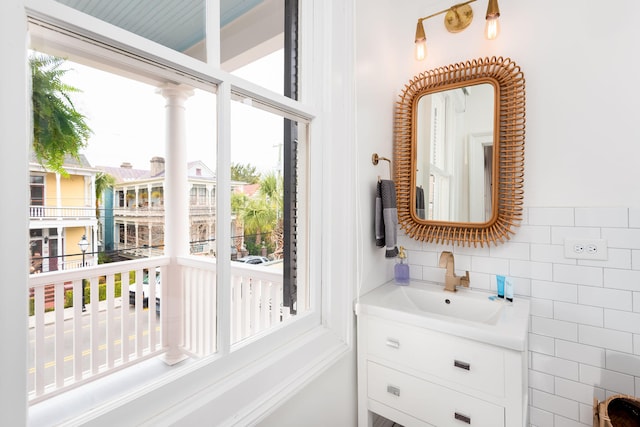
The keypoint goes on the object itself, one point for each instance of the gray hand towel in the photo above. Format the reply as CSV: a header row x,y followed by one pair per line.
x,y
420,203
386,218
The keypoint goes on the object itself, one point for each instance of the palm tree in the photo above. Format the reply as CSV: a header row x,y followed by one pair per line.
x,y
58,128
258,217
262,213
272,189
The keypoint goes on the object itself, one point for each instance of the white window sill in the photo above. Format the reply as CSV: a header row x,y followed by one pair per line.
x,y
152,393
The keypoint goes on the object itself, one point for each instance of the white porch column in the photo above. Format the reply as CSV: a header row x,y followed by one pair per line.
x,y
176,216
60,237
58,198
92,192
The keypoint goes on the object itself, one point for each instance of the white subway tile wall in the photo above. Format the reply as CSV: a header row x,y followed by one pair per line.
x,y
584,339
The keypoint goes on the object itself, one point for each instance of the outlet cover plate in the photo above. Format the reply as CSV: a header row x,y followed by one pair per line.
x,y
593,249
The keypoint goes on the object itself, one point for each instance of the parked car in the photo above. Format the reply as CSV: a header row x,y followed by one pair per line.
x,y
253,259
145,291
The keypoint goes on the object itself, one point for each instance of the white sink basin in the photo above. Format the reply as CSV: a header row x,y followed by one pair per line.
x,y
467,313
472,306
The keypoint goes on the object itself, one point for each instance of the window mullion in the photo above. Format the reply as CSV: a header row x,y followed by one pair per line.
x,y
212,32
223,212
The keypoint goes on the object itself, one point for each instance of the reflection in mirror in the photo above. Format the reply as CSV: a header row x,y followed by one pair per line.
x,y
454,154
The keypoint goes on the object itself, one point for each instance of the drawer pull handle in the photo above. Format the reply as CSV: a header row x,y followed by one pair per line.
x,y
462,365
462,418
393,343
393,390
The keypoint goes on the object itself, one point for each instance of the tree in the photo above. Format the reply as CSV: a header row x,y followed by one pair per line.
x,y
272,190
103,182
263,213
258,217
58,128
244,173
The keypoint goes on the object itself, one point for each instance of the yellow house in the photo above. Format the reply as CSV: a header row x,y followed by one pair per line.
x,y
61,211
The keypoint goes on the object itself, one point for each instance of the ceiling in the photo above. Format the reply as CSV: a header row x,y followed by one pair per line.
x,y
178,24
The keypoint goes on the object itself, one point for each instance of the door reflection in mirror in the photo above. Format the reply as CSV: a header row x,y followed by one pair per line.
x,y
454,154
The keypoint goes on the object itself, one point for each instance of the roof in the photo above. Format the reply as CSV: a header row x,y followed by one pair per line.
x,y
129,174
69,161
123,175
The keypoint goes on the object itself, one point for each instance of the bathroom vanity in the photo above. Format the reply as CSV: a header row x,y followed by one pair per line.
x,y
427,357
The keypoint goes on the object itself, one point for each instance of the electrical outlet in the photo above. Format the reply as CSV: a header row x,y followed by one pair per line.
x,y
595,249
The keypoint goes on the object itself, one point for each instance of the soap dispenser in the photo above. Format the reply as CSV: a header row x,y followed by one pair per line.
x,y
401,269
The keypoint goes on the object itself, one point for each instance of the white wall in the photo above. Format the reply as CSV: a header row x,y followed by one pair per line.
x,y
581,179
329,400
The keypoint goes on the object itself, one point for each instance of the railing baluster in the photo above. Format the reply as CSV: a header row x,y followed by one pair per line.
x,y
236,308
265,305
201,311
187,275
254,311
213,303
59,299
276,305
77,329
124,313
110,321
245,306
94,328
139,313
151,312
39,357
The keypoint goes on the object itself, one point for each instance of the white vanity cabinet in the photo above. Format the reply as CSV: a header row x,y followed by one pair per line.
x,y
418,371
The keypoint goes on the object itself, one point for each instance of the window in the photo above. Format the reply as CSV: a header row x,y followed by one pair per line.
x,y
198,195
37,190
302,340
268,138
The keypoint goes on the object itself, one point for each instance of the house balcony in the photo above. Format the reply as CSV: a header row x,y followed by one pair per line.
x,y
75,213
70,346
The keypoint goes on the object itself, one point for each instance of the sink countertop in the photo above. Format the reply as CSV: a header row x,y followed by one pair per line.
x,y
509,329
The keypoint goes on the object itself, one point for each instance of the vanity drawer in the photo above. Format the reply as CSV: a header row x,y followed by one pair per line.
x,y
465,362
429,402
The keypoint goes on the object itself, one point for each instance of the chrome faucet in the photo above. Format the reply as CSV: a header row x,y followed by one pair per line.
x,y
450,278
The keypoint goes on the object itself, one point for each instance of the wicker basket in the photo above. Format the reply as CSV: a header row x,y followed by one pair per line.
x,y
617,411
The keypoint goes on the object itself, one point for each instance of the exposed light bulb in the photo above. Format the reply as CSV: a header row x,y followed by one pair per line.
x,y
421,42
492,28
421,50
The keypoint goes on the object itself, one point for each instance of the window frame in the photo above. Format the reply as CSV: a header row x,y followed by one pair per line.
x,y
42,186
317,339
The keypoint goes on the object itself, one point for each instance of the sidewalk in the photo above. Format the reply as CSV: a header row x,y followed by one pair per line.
x,y
50,316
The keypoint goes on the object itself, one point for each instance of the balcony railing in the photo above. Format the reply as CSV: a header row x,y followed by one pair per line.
x,y
66,212
151,212
70,347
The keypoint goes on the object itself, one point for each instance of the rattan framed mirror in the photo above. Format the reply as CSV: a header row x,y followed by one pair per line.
x,y
427,155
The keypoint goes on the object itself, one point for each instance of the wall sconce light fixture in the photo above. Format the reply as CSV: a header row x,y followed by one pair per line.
x,y
457,18
492,28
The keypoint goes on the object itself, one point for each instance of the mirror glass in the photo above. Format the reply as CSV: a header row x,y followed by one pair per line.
x,y
454,154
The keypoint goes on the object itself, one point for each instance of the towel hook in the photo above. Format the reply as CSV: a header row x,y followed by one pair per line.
x,y
375,159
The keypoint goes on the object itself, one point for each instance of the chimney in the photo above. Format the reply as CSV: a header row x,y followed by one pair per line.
x,y
157,166
126,165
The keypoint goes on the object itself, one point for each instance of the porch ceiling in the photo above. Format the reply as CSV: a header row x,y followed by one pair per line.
x,y
175,24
